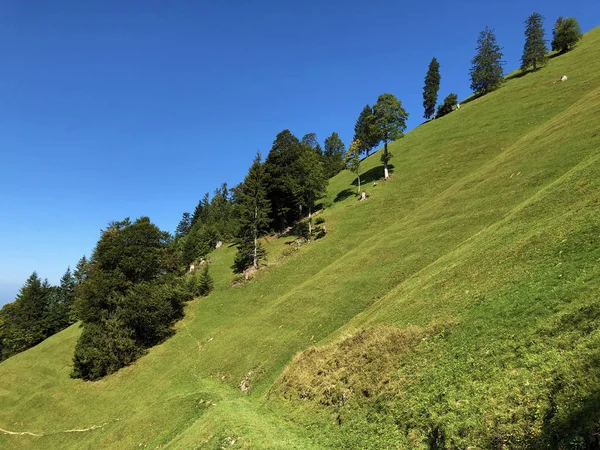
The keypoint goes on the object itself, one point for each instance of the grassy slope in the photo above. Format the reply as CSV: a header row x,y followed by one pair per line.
x,y
486,222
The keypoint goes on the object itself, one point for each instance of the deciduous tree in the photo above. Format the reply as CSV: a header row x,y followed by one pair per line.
x,y
566,34
390,119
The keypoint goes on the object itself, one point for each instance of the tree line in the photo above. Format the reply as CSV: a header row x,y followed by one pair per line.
x,y
138,278
486,71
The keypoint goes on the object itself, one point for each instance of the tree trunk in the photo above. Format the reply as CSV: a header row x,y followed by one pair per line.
x,y
358,178
309,222
385,162
254,255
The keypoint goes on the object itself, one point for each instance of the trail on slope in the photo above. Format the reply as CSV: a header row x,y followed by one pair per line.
x,y
73,430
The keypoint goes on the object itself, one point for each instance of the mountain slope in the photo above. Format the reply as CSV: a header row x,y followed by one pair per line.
x,y
480,255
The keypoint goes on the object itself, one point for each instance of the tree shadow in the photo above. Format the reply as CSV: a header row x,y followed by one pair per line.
x,y
374,174
343,195
518,74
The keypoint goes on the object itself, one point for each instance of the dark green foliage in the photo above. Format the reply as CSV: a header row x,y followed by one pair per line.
x,y
279,168
295,179
213,220
24,323
366,131
39,311
310,139
319,220
448,105
253,208
390,119
486,71
534,50
244,257
128,301
184,225
205,282
566,34
333,156
431,88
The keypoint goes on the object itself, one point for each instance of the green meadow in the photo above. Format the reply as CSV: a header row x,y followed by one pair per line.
x,y
456,307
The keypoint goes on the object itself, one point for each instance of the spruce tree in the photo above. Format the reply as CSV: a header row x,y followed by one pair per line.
x,y
366,131
390,119
205,282
431,88
486,71
534,50
566,34
253,208
333,155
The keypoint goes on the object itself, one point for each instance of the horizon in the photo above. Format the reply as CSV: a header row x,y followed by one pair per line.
x,y
115,111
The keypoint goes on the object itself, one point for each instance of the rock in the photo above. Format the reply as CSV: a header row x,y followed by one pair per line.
x,y
363,196
219,244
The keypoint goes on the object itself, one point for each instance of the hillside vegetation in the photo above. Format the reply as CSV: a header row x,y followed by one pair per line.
x,y
456,307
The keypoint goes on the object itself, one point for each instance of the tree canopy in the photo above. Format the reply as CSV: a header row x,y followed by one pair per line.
x,y
390,119
431,88
366,131
486,71
534,49
566,34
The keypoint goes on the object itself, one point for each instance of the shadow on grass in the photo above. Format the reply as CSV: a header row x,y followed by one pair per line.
x,y
374,174
578,429
343,195
518,74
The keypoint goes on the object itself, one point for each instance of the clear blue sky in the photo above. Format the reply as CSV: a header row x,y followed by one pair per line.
x,y
111,109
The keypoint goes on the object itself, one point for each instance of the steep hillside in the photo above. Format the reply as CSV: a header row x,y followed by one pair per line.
x,y
457,306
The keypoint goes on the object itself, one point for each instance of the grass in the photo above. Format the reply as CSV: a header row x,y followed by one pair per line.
x,y
457,306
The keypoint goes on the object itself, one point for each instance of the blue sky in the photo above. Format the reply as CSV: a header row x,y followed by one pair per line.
x,y
114,109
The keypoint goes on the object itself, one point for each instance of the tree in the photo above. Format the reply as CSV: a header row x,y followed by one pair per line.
x,y
25,322
282,179
566,34
431,88
333,156
310,139
127,301
184,225
205,282
253,208
449,103
486,71
534,50
366,131
311,182
390,119
353,161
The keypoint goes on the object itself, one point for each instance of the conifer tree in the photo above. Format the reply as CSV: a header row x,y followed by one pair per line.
x,y
205,282
333,155
366,131
431,88
566,34
486,71
253,209
534,50
390,119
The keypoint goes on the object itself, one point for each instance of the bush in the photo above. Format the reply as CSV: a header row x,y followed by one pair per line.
x,y
319,220
446,108
301,230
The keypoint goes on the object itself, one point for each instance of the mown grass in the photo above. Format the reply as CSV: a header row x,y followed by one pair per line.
x,y
488,226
